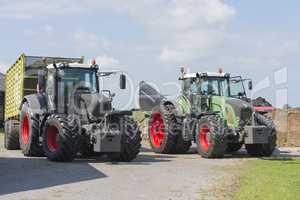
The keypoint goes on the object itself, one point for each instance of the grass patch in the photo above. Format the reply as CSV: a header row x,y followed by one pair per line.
x,y
270,179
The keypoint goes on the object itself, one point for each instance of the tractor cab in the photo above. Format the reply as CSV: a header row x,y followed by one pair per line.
x,y
214,84
216,92
201,88
74,88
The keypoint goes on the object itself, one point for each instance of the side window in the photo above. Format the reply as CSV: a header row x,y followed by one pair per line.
x,y
224,88
50,90
237,88
204,87
186,86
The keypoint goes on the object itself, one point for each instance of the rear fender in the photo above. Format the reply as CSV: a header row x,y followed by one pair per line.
x,y
36,102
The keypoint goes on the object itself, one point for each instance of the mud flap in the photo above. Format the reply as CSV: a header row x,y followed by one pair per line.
x,y
149,97
257,134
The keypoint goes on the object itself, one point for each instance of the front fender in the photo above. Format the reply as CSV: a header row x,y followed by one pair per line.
x,y
36,102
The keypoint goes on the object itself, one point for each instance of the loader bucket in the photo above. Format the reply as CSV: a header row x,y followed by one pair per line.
x,y
149,98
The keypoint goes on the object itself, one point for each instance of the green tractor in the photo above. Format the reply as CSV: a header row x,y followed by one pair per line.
x,y
213,111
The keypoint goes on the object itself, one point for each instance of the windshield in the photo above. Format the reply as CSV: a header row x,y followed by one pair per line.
x,y
216,86
73,78
210,86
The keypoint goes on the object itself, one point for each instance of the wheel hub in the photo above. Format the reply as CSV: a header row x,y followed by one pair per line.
x,y
157,132
25,130
204,137
52,138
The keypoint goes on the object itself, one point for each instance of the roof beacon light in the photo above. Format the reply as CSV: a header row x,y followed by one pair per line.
x,y
221,71
94,62
182,70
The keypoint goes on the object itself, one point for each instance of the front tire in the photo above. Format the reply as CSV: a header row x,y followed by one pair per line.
x,y
210,137
130,141
60,139
29,133
163,130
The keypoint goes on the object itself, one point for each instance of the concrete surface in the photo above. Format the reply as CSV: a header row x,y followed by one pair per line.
x,y
151,176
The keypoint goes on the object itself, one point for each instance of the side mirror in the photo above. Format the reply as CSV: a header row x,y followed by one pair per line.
x,y
41,81
250,85
122,82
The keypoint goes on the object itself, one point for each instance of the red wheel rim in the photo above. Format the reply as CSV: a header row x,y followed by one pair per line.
x,y
203,136
25,130
157,130
52,138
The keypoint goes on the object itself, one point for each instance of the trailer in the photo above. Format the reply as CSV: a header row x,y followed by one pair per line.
x,y
2,100
21,80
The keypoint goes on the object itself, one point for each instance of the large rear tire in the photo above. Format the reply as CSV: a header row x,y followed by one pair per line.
x,y
29,133
130,141
233,147
182,146
163,130
210,137
11,135
60,138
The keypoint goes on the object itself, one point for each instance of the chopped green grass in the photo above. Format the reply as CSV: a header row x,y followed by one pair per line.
x,y
1,134
270,179
140,118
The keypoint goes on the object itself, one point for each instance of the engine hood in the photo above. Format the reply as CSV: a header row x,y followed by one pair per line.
x,y
242,109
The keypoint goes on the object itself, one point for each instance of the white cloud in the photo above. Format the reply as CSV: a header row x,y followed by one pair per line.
x,y
183,29
107,61
3,67
45,30
264,51
89,40
30,9
186,29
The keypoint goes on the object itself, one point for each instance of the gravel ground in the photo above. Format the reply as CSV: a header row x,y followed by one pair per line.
x,y
151,176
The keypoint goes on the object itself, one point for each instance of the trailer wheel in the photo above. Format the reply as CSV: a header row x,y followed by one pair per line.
x,y
11,135
233,147
60,139
130,142
163,130
29,133
210,138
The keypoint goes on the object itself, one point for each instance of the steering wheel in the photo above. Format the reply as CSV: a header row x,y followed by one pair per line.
x,y
83,88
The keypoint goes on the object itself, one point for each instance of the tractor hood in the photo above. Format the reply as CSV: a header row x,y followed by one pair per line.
x,y
149,97
242,109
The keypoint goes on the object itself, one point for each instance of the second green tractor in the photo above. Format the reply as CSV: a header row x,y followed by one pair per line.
x,y
213,111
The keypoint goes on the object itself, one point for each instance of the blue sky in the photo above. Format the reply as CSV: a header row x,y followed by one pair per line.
x,y
150,39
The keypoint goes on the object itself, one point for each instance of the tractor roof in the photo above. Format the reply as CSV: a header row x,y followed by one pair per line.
x,y
205,74
72,65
